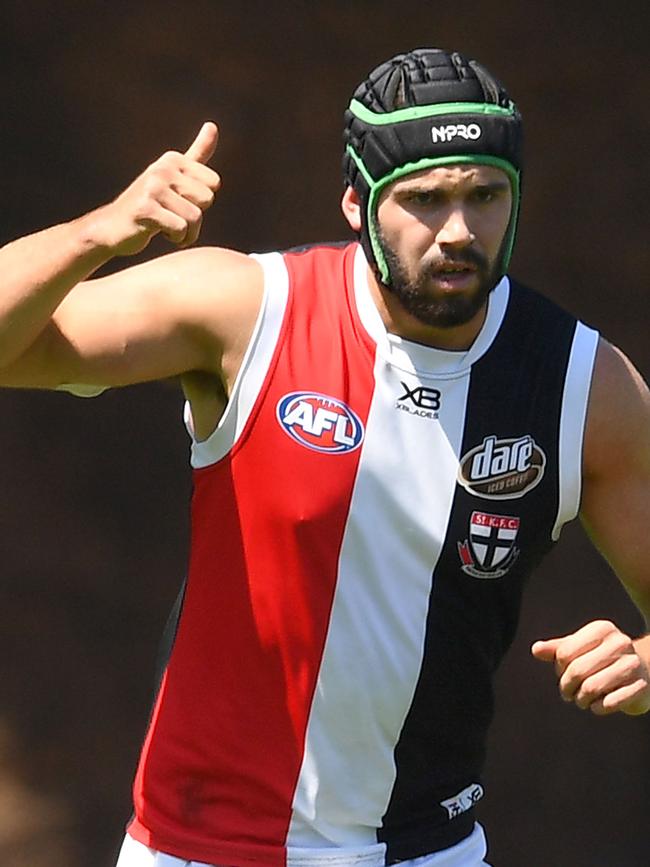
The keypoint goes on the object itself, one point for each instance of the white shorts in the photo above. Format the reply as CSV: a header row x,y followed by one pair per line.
x,y
470,852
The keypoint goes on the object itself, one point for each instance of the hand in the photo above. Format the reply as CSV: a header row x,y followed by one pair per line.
x,y
169,197
599,669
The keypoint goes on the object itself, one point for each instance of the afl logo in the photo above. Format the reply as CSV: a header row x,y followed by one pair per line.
x,y
319,422
502,469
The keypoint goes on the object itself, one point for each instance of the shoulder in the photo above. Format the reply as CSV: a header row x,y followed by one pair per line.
x,y
208,286
212,294
189,273
618,418
210,266
227,291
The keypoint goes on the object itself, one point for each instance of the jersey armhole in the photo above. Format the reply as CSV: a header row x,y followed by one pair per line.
x,y
253,370
573,416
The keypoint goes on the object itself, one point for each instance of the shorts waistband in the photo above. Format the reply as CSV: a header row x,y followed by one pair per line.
x,y
135,854
363,856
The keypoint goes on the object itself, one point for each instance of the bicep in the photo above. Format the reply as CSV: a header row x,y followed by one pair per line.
x,y
155,320
125,328
616,487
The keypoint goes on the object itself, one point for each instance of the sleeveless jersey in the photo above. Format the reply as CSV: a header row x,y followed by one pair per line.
x,y
363,522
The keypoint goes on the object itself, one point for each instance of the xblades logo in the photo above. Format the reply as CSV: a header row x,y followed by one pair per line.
x,y
463,801
421,401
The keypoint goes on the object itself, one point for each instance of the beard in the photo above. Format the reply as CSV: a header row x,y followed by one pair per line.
x,y
417,298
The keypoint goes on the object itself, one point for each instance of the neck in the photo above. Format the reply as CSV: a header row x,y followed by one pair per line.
x,y
398,321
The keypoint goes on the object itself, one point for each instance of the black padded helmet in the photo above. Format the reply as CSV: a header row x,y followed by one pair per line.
x,y
422,109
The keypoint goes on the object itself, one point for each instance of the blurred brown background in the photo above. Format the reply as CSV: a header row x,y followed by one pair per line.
x,y
93,528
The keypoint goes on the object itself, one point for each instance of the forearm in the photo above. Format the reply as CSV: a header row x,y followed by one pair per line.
x,y
37,271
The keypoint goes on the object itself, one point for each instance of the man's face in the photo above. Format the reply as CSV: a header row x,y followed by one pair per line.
x,y
442,231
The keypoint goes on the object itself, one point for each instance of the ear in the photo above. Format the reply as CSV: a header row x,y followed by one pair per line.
x,y
351,207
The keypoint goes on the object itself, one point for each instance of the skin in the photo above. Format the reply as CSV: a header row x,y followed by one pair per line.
x,y
599,667
163,318
40,269
446,226
191,313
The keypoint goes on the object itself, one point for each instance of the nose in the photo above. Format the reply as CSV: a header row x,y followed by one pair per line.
x,y
455,231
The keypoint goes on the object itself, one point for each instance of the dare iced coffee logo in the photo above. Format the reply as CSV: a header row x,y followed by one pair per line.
x,y
502,469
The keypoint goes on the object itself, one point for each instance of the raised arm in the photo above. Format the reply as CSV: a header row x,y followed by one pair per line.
x,y
599,666
40,269
192,311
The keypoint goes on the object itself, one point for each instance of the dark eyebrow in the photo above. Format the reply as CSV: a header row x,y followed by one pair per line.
x,y
493,186
416,188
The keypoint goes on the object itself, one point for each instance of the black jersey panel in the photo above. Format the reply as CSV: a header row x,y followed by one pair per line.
x,y
504,509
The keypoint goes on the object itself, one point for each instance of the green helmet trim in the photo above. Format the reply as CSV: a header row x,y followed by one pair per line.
x,y
417,112
385,146
376,187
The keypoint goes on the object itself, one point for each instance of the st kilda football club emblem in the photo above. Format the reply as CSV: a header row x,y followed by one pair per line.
x,y
489,550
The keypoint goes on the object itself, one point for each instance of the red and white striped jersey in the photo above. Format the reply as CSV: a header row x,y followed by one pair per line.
x,y
363,521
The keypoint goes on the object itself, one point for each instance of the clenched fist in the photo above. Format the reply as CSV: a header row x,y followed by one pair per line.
x,y
169,197
600,668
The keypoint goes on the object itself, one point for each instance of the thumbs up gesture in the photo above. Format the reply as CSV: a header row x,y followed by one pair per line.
x,y
600,668
169,197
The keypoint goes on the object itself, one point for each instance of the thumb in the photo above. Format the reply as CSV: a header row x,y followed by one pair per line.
x,y
205,144
545,650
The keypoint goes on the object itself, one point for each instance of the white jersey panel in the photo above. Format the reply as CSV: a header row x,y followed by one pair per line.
x,y
575,400
416,356
254,367
396,528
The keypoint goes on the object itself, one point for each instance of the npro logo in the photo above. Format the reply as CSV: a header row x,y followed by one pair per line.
x,y
319,422
468,131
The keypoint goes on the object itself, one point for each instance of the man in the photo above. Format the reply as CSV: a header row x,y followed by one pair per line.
x,y
387,438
